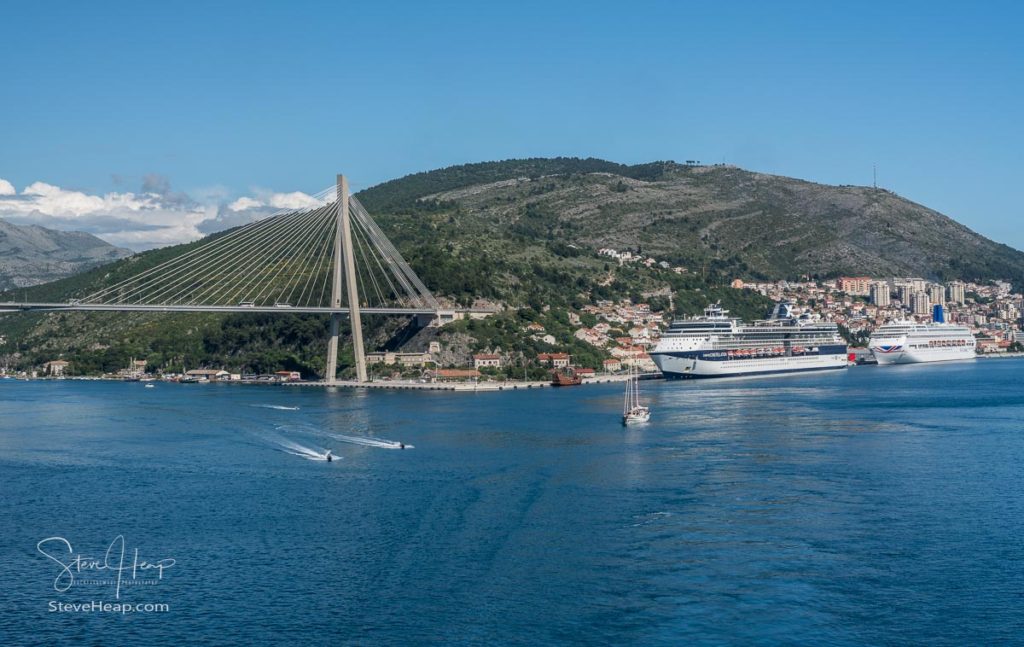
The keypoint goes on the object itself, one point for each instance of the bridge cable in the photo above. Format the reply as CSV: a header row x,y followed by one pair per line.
x,y
201,247
317,255
302,244
254,273
235,264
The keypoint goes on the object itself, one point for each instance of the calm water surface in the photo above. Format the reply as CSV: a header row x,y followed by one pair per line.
x,y
878,505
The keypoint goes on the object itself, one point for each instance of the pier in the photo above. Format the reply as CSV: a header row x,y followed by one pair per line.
x,y
465,387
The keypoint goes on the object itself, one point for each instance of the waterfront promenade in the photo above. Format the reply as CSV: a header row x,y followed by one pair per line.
x,y
465,387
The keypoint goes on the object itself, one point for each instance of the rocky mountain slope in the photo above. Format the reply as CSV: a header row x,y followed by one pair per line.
x,y
30,255
750,224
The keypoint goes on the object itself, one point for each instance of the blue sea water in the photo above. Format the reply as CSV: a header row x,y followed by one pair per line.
x,y
870,506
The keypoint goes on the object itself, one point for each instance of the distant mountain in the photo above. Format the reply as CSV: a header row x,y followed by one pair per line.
x,y
719,217
30,255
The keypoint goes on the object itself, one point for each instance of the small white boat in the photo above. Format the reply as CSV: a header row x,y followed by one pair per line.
x,y
636,415
150,386
632,411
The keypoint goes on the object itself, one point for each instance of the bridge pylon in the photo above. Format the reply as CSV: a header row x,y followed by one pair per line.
x,y
343,252
304,260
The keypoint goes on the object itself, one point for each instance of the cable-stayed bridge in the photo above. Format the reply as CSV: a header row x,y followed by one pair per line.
x,y
329,258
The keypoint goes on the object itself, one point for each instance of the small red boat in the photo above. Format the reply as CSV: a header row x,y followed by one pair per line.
x,y
565,377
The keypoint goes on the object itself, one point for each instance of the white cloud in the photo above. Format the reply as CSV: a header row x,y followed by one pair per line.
x,y
55,201
293,200
154,217
244,203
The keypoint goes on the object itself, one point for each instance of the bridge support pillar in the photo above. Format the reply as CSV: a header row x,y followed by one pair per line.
x,y
331,371
343,252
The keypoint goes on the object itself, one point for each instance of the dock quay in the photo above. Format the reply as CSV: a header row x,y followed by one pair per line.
x,y
463,387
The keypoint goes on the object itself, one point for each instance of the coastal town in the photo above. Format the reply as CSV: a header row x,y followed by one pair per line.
x,y
861,304
858,304
624,332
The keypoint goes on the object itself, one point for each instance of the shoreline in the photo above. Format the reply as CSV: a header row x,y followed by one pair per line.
x,y
464,387
400,385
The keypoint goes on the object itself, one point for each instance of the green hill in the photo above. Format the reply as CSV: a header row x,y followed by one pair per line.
x,y
524,233
749,224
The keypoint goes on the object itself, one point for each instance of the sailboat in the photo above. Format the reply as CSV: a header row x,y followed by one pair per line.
x,y
632,411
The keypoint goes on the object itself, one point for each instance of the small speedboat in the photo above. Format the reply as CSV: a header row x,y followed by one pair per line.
x,y
150,386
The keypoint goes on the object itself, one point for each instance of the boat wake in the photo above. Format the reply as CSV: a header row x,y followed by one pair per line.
x,y
371,442
306,429
278,407
297,449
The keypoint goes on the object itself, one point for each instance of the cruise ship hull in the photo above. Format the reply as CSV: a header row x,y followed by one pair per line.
x,y
890,354
710,364
905,342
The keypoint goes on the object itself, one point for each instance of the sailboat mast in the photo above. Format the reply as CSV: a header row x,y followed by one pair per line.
x,y
636,388
625,401
632,394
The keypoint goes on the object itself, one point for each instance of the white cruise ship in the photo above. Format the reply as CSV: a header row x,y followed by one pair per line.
x,y
717,345
909,342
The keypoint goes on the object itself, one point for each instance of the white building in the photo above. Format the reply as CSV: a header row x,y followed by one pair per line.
x,y
208,374
903,292
920,303
880,294
957,292
484,360
390,358
55,368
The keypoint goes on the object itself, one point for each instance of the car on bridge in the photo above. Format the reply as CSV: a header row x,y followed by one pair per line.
x,y
246,304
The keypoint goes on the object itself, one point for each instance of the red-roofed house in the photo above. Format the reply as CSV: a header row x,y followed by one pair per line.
x,y
558,360
486,359
642,361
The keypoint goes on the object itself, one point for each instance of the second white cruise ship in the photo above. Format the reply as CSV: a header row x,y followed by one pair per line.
x,y
716,345
909,342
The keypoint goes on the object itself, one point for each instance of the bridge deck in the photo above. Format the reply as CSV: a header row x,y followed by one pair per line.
x,y
103,307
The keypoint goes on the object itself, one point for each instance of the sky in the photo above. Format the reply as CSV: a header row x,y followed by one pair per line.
x,y
154,123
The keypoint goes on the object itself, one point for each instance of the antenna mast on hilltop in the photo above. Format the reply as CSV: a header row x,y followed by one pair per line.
x,y
874,176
